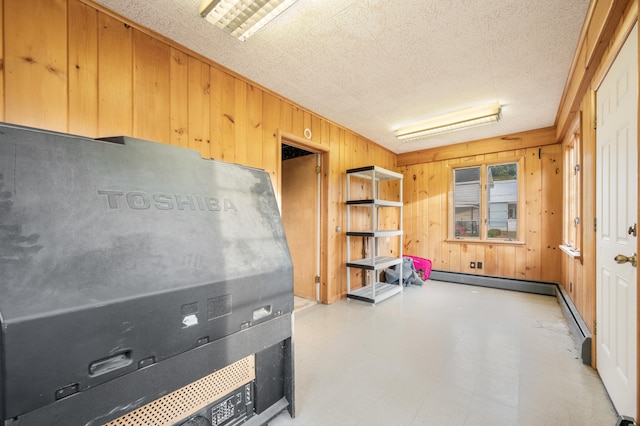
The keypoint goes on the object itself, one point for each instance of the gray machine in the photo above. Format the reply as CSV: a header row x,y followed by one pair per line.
x,y
136,276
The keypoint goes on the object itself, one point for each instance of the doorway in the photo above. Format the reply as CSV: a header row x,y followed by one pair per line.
x,y
300,217
616,232
310,247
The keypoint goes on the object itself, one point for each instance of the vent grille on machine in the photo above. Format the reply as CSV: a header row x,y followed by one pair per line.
x,y
188,400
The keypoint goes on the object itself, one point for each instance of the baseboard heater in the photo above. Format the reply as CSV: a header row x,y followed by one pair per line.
x,y
579,330
581,333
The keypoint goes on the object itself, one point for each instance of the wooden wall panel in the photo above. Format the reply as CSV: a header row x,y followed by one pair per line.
x,y
72,66
115,86
222,114
508,265
533,218
599,33
568,269
325,140
428,207
410,205
297,120
240,122
607,26
588,250
336,219
270,143
306,121
583,293
151,88
436,197
550,239
455,257
198,106
35,43
338,182
421,211
83,70
467,255
317,130
286,117
179,97
522,140
522,265
480,258
254,126
491,260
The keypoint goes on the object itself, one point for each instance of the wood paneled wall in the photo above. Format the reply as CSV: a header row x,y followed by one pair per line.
x,y
427,193
71,66
606,28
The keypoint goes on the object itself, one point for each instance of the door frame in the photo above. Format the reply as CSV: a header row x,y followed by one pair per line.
x,y
637,274
323,152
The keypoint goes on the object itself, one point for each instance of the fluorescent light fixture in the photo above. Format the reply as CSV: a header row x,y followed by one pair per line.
x,y
242,18
452,121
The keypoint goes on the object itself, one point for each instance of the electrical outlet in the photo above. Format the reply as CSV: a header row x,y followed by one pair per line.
x,y
479,265
472,265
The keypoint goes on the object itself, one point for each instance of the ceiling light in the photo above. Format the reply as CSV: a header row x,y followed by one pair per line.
x,y
242,18
450,122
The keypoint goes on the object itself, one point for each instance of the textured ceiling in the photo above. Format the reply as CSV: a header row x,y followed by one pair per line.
x,y
375,65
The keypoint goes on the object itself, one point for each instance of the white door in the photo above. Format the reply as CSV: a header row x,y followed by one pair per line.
x,y
617,208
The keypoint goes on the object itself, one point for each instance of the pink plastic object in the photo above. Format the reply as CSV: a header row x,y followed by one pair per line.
x,y
421,264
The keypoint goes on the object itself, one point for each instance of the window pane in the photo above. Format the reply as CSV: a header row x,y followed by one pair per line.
x,y
572,231
466,196
502,201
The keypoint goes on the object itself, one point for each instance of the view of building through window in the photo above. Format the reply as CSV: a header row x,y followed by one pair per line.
x,y
498,209
502,201
466,197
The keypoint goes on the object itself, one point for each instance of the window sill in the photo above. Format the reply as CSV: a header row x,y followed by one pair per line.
x,y
570,251
484,242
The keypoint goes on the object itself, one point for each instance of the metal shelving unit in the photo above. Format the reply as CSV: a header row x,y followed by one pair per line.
x,y
376,291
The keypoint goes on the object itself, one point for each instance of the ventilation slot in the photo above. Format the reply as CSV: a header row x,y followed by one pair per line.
x,y
188,400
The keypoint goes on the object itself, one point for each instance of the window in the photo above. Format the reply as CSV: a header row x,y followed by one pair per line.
x,y
467,202
571,235
502,199
491,214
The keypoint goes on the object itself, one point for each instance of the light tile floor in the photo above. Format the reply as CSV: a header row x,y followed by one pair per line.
x,y
443,354
300,303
